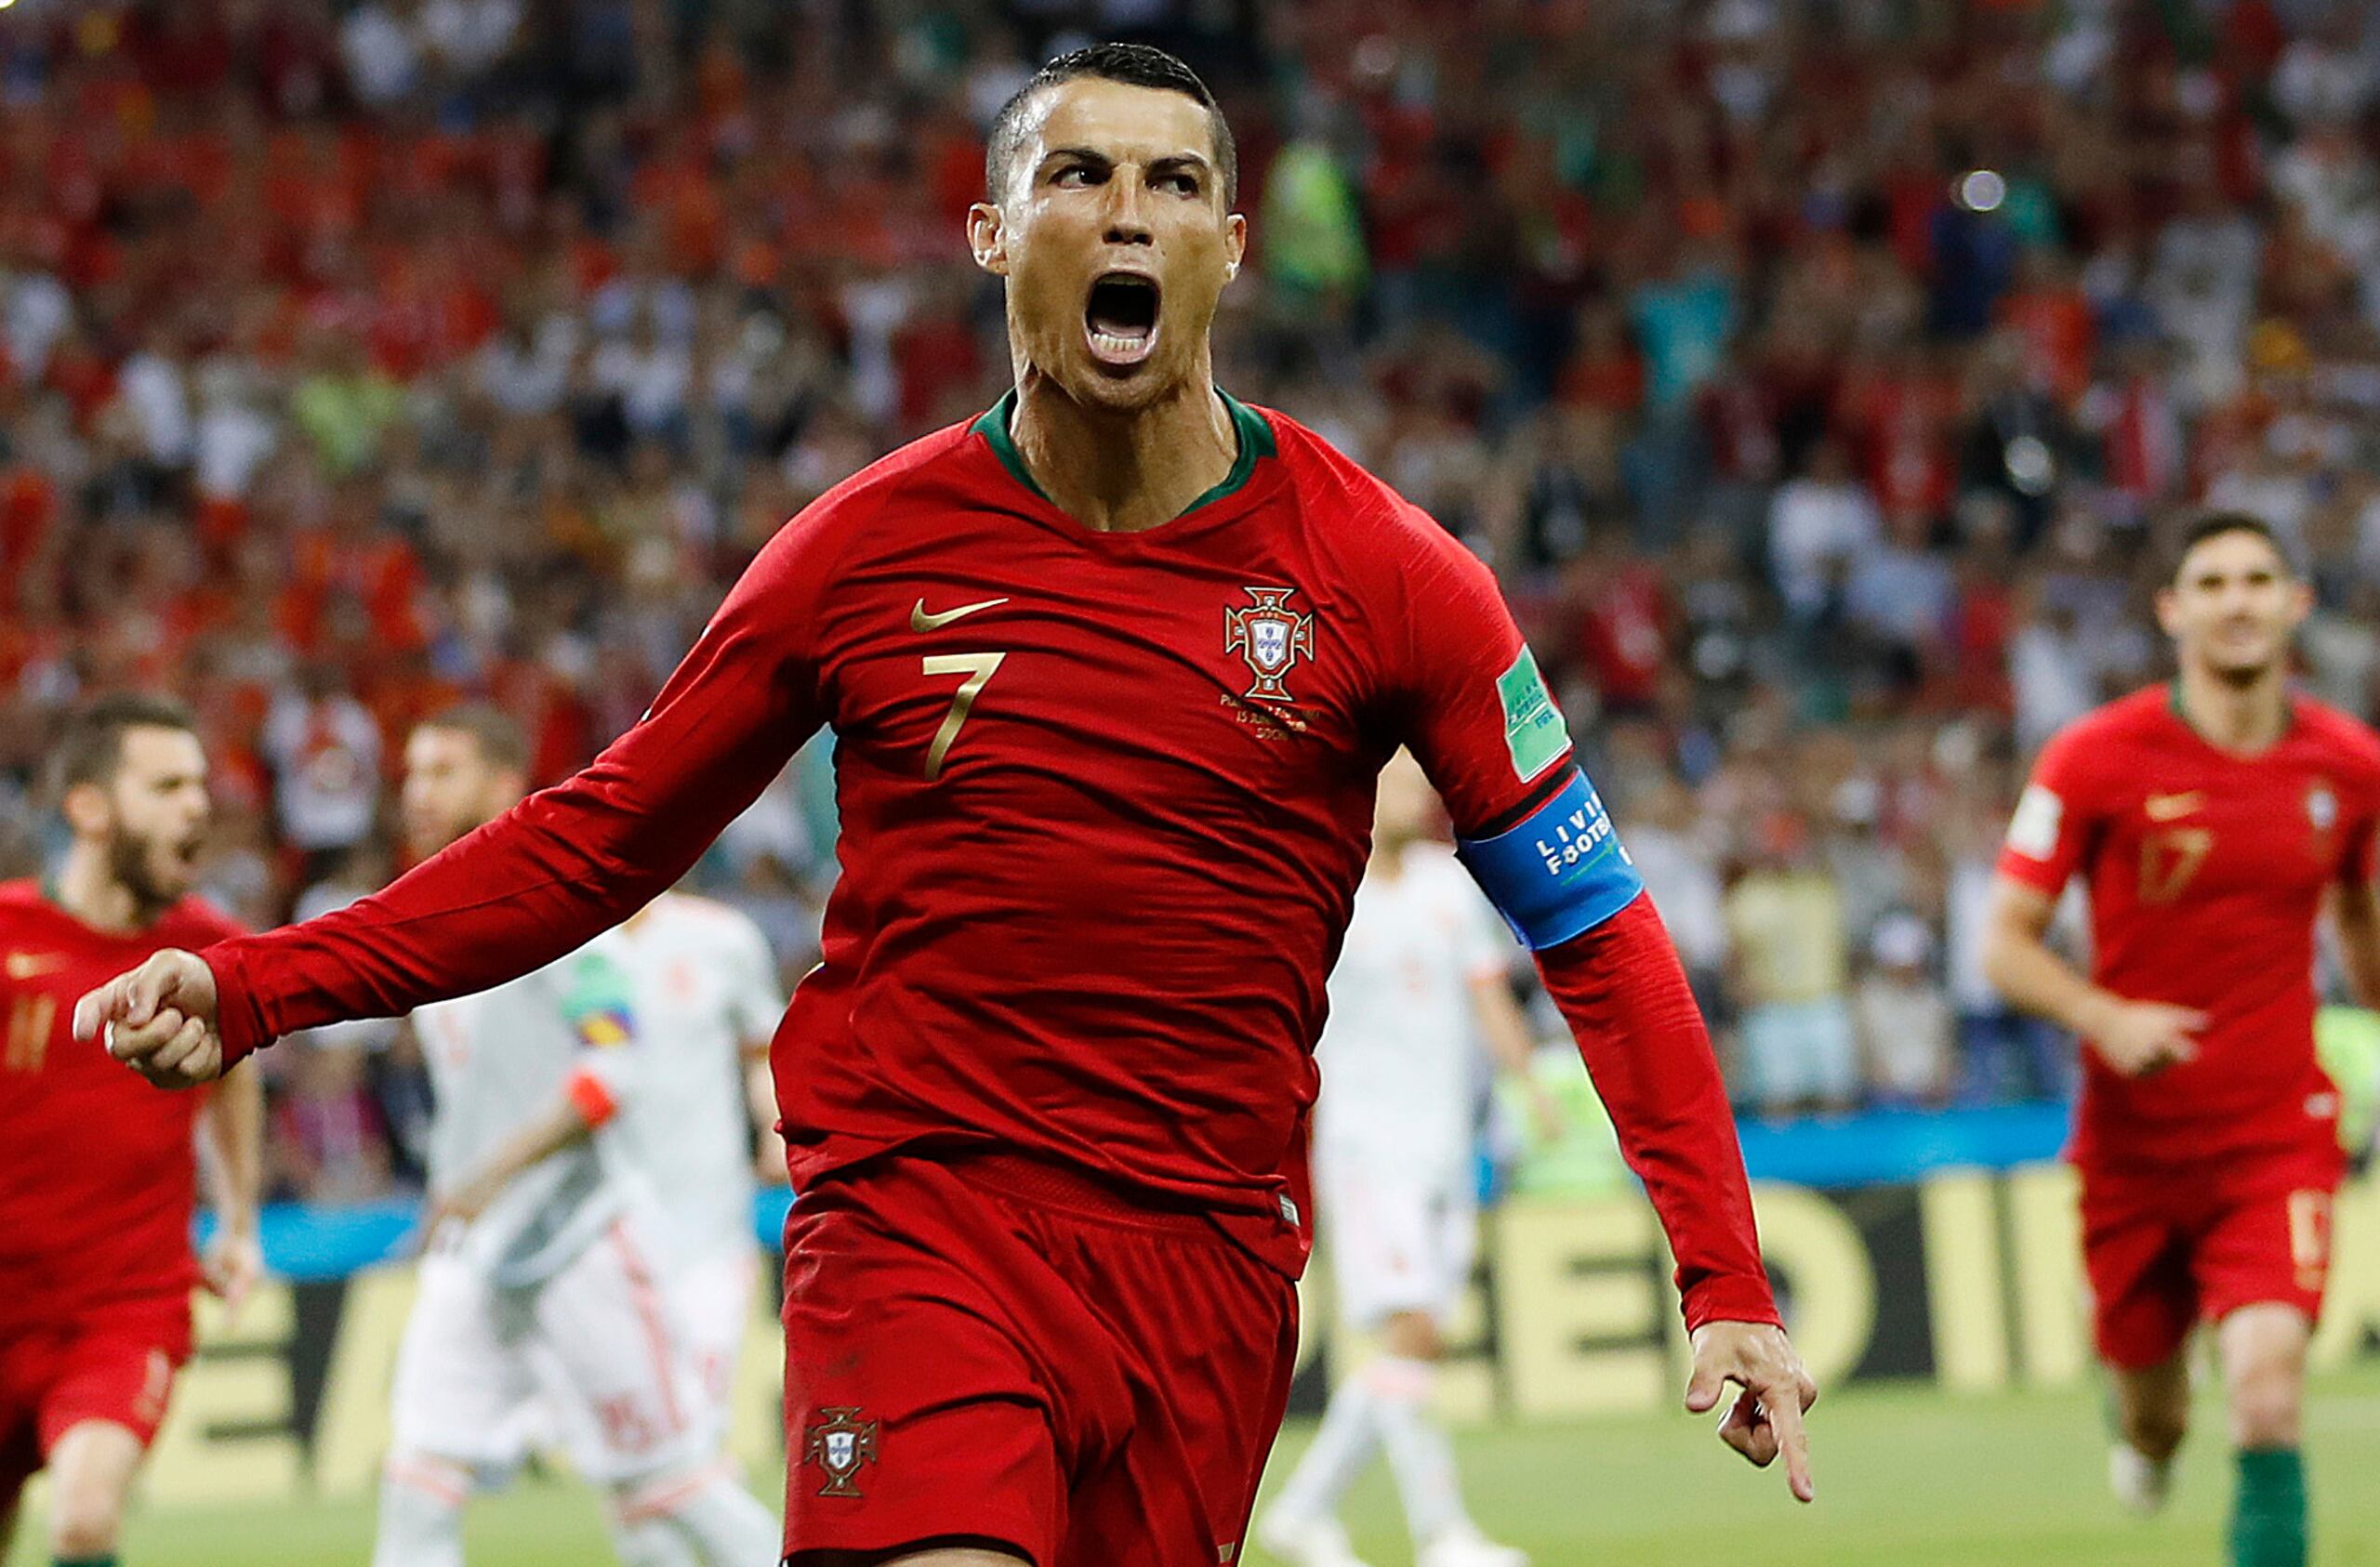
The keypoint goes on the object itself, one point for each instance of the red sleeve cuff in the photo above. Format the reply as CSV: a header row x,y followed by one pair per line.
x,y
239,1013
593,1099
1732,1298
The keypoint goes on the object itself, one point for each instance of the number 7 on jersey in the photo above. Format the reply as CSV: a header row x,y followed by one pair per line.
x,y
978,667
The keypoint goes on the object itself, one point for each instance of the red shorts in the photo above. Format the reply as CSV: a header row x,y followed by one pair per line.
x,y
113,1363
1004,1351
2167,1246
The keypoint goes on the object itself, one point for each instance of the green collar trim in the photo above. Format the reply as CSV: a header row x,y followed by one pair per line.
x,y
1253,435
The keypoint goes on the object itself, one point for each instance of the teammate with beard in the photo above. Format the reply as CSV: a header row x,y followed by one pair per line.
x,y
1112,670
2212,823
98,1177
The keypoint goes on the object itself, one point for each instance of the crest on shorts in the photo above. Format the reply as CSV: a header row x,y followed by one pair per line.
x,y
1271,635
840,1442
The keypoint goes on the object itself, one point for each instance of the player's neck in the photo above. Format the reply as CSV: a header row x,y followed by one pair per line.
x,y
1388,861
85,890
1124,473
2243,718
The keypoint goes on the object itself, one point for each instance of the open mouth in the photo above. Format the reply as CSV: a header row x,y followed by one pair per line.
x,y
1121,318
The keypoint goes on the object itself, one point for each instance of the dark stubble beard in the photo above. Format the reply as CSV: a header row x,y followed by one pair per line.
x,y
129,861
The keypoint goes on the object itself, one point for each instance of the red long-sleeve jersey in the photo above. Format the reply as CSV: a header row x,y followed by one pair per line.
x,y
1105,797
2206,871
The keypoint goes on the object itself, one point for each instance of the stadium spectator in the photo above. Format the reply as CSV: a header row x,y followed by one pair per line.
x,y
1792,977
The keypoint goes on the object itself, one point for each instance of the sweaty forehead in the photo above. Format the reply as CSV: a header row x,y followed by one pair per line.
x,y
1122,123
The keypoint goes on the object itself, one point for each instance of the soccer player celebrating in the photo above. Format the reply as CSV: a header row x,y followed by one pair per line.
x,y
707,999
535,1292
2210,821
98,1177
1113,669
1394,1178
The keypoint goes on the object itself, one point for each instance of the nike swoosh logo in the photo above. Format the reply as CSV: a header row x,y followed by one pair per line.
x,y
920,621
26,965
2165,808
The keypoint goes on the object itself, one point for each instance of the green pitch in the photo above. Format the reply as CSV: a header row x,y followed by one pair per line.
x,y
1907,1477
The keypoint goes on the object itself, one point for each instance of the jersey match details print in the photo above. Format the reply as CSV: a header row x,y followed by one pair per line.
x,y
1534,731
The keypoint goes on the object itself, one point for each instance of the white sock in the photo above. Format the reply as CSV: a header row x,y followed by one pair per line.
x,y
1342,1448
1419,1454
721,1523
421,1512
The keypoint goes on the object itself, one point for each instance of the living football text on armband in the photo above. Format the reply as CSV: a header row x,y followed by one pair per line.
x,y
1560,873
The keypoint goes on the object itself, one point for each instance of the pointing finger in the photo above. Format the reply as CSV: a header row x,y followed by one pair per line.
x,y
1784,1407
95,1010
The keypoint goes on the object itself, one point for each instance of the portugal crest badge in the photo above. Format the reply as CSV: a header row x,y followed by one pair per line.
x,y
1272,637
839,1441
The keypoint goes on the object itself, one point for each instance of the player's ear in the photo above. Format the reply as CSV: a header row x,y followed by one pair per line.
x,y
1235,243
987,237
2168,613
87,810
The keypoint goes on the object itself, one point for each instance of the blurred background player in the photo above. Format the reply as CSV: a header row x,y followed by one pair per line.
x,y
2212,823
1113,667
1422,972
707,1000
98,1178
537,1288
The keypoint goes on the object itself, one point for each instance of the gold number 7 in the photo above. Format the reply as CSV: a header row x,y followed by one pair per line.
x,y
978,669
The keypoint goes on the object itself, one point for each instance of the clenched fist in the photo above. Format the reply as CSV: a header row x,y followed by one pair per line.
x,y
158,1019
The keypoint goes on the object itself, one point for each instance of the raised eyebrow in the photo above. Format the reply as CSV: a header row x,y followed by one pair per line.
x,y
1078,154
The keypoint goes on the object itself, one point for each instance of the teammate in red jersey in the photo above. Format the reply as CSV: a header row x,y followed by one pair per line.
x,y
1113,669
2210,821
97,1173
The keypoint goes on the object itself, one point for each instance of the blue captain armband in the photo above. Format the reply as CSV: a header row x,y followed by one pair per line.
x,y
1560,873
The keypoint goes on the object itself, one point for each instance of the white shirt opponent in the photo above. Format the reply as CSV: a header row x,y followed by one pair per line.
x,y
1400,1051
705,982
500,1058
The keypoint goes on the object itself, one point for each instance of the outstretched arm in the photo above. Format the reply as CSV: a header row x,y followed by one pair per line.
x,y
541,881
1538,842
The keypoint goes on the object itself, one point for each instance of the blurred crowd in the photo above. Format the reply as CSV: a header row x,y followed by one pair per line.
x,y
1822,377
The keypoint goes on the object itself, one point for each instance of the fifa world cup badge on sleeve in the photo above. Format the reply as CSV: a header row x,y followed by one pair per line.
x,y
1534,731
840,1442
1560,873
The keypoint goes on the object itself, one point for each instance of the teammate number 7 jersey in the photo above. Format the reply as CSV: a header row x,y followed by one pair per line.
x,y
2206,873
1105,800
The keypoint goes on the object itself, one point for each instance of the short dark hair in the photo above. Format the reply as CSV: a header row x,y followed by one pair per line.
x,y
1135,65
2215,524
90,747
502,742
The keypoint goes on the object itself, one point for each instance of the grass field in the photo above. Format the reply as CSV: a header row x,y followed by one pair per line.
x,y
1906,1477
